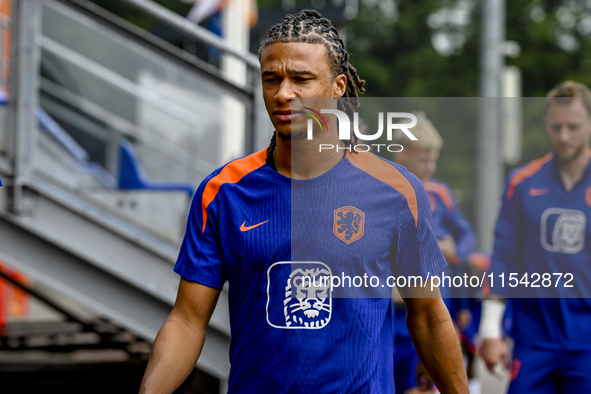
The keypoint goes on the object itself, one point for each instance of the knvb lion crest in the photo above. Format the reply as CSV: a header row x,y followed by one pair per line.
x,y
299,295
348,224
568,235
307,298
563,230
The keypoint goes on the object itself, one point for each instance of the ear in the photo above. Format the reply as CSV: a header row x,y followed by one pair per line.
x,y
339,85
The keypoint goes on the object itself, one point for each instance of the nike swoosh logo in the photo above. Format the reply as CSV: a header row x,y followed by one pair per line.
x,y
246,228
537,192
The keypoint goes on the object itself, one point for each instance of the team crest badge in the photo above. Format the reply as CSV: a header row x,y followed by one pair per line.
x,y
299,295
563,230
348,224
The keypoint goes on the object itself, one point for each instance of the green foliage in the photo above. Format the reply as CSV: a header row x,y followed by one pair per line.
x,y
131,14
403,49
546,31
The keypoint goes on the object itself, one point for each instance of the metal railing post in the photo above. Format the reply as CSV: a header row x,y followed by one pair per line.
x,y
24,96
490,166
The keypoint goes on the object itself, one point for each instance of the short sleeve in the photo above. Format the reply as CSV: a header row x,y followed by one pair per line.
x,y
200,258
461,230
417,250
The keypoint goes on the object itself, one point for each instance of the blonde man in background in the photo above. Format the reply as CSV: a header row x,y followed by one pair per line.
x,y
456,239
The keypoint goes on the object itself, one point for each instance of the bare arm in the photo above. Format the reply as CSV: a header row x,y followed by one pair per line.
x,y
493,348
180,340
435,340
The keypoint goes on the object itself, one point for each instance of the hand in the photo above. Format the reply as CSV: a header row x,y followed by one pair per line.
x,y
424,382
448,248
416,390
463,319
492,351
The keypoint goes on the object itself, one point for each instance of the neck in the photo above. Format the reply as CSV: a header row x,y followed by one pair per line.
x,y
572,171
301,159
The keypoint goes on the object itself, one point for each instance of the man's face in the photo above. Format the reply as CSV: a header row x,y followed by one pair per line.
x,y
295,69
420,161
569,128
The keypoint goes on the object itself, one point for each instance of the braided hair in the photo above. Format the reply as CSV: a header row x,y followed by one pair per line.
x,y
311,27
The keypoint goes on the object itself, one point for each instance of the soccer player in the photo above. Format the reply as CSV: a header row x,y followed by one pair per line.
x,y
455,236
255,217
543,228
454,233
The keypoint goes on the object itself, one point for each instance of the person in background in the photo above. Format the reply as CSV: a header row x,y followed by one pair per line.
x,y
457,241
543,229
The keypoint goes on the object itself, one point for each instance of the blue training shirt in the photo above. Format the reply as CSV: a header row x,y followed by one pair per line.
x,y
364,216
447,219
541,229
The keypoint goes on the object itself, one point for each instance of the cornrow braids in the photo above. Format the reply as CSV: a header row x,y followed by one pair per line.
x,y
311,27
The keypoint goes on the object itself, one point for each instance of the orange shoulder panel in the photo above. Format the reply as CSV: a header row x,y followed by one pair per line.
x,y
231,173
382,171
529,170
442,191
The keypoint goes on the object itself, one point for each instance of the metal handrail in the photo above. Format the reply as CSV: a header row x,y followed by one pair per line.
x,y
116,122
115,79
199,33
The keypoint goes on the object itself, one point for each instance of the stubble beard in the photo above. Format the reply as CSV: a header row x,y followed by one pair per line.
x,y
574,156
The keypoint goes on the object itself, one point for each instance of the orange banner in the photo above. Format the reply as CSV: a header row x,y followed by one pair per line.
x,y
5,13
14,302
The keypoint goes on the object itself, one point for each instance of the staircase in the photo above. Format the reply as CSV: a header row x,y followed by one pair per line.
x,y
108,88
